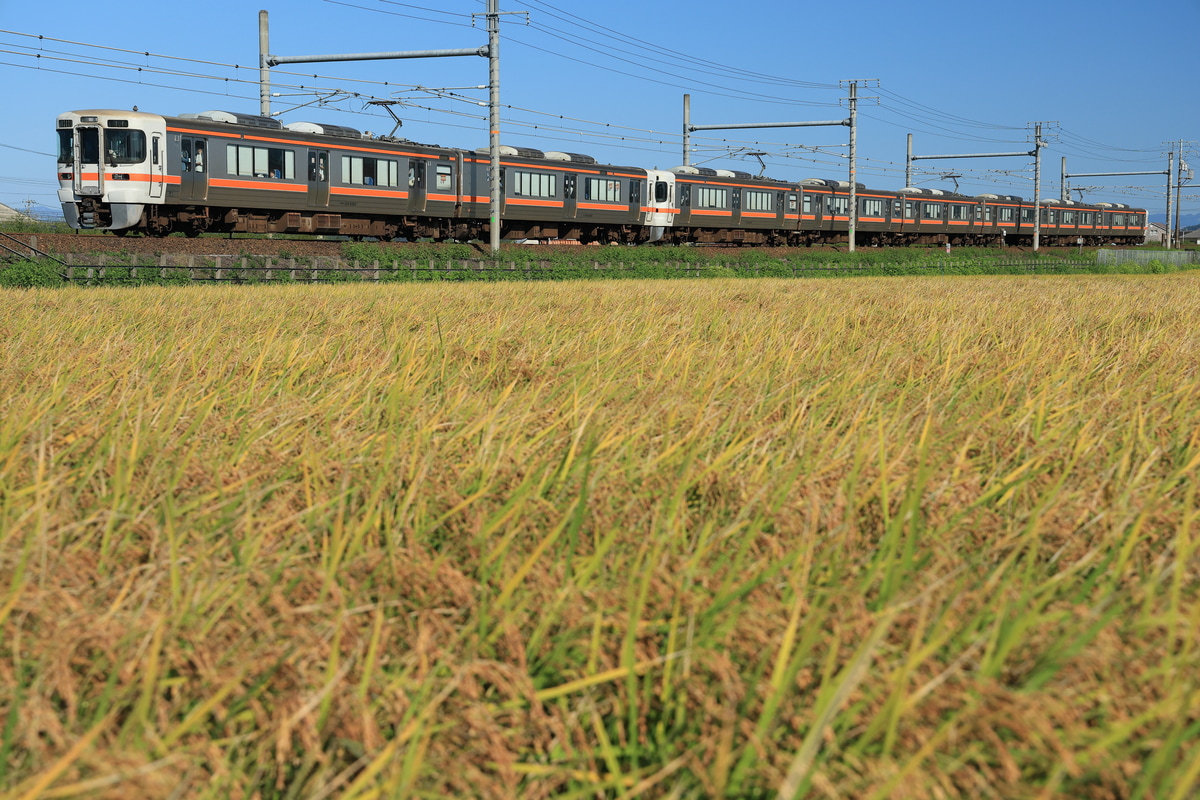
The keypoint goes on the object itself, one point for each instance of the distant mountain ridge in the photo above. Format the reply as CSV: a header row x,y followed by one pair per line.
x,y
1186,221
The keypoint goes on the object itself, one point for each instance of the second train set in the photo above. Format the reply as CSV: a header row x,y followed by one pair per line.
x,y
131,171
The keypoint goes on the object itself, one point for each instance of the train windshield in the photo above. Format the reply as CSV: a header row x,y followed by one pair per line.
x,y
125,146
66,146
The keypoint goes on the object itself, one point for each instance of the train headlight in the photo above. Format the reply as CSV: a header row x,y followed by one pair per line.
x,y
66,176
120,176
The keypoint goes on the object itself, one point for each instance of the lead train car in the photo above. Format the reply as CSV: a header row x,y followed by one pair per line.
x,y
223,172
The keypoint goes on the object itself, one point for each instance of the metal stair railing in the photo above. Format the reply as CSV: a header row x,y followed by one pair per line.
x,y
33,250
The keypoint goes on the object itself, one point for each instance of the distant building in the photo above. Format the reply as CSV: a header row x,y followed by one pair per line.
x,y
1191,238
11,214
1156,233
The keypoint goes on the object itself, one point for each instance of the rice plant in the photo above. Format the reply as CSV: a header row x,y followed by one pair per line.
x,y
920,537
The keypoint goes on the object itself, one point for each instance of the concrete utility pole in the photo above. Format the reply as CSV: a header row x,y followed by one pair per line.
x,y
1170,175
1037,186
1184,173
687,130
852,102
493,26
264,70
908,163
853,221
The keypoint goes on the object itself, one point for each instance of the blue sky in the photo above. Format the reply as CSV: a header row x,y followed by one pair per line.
x,y
1113,80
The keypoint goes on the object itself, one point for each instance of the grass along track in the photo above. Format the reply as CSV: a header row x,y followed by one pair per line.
x,y
882,538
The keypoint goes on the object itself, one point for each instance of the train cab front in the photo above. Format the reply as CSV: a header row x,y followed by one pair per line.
x,y
111,164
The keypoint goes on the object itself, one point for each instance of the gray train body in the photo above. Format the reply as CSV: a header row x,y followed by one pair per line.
x,y
130,171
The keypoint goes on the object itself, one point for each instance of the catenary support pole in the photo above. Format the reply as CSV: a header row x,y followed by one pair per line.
x,y
1037,186
853,221
1170,174
264,71
687,129
908,163
493,25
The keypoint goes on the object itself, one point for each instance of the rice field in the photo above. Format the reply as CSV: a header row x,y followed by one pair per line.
x,y
874,538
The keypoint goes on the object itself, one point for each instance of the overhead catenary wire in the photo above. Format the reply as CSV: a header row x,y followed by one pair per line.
x,y
237,87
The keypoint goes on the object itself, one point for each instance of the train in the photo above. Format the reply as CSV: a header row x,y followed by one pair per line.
x,y
226,172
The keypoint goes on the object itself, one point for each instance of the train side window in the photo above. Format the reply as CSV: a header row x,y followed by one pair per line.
x,y
895,209
185,155
910,210
988,213
602,189
759,201
199,160
708,197
531,184
808,204
791,203
685,196
660,191
445,179
569,186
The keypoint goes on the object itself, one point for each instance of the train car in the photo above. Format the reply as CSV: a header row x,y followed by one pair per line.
x,y
225,172
727,206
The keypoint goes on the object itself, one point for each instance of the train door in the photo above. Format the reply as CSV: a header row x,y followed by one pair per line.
x,y
416,184
193,168
158,161
89,174
318,178
660,205
570,195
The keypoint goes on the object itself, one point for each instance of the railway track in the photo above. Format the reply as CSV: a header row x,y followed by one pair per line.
x,y
303,248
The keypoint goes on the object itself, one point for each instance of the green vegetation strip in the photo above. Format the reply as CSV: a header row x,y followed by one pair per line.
x,y
875,538
460,262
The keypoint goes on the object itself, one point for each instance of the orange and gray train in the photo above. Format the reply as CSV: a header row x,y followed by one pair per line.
x,y
130,171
